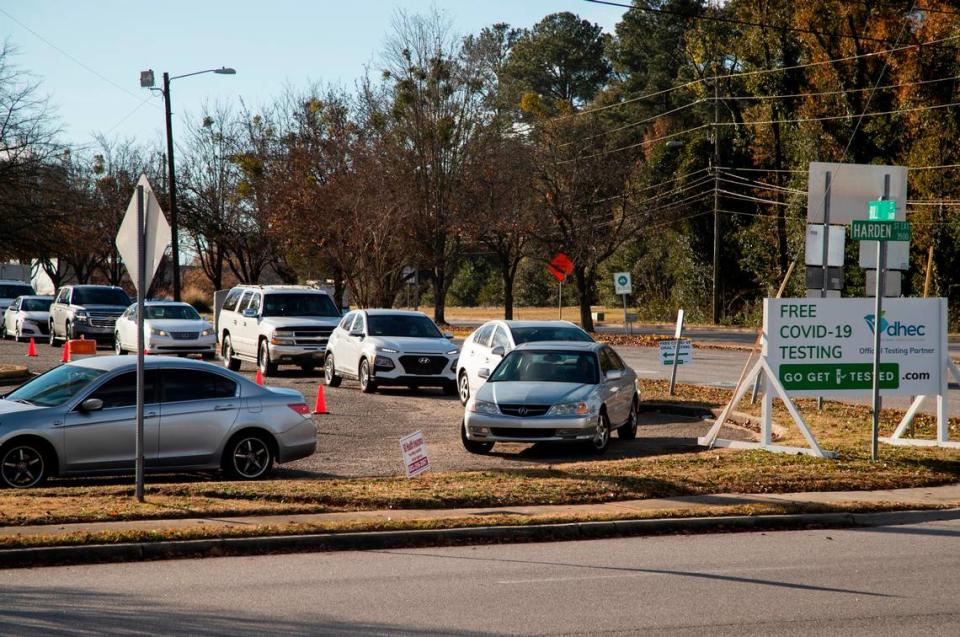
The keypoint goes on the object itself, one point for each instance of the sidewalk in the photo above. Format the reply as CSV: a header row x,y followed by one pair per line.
x,y
687,506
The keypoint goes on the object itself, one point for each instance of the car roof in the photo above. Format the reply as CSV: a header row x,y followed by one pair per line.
x,y
109,287
165,302
16,281
551,323
35,296
111,363
387,312
560,346
288,289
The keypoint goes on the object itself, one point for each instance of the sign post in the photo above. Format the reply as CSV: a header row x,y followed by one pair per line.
x,y
143,237
623,285
676,350
560,267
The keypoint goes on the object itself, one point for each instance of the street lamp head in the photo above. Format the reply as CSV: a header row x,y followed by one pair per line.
x,y
223,70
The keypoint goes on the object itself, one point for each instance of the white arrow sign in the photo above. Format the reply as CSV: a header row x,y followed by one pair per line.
x,y
157,234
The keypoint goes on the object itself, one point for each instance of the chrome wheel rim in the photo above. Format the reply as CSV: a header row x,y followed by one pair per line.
x,y
117,347
364,374
22,467
328,368
264,357
464,388
602,434
251,457
227,352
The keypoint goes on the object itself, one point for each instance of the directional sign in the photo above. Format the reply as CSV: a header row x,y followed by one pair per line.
x,y
684,352
622,283
882,210
880,230
157,233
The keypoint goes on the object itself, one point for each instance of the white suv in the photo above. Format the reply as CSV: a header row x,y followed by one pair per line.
x,y
273,325
391,347
489,343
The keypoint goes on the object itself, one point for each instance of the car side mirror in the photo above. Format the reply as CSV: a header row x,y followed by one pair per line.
x,y
448,335
249,313
91,404
498,350
615,374
483,372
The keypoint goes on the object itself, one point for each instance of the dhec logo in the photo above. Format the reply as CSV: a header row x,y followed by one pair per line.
x,y
894,329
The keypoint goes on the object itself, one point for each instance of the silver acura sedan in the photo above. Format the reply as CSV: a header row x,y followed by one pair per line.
x,y
553,392
80,418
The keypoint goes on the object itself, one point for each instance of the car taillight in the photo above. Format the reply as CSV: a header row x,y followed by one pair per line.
x,y
300,408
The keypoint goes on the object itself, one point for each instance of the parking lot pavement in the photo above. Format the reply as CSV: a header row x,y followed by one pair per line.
x,y
360,436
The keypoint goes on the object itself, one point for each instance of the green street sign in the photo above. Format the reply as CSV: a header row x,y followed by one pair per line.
x,y
882,210
863,230
838,376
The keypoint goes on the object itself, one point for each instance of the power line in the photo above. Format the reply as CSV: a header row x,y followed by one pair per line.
x,y
841,92
637,123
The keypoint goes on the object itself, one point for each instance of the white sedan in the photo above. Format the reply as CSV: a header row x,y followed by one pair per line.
x,y
169,327
489,343
27,316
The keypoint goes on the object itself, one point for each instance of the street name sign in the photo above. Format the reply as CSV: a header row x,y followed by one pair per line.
x,y
882,210
864,230
824,347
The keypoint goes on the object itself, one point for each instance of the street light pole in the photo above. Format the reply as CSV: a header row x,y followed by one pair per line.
x,y
172,191
147,81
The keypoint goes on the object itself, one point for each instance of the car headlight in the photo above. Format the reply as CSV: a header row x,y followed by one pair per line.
x,y
453,351
80,315
388,350
207,332
282,337
483,407
156,331
383,361
570,409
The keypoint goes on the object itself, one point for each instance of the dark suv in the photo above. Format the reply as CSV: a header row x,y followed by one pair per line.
x,y
86,310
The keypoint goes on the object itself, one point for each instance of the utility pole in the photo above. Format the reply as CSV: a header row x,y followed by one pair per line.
x,y
172,190
716,203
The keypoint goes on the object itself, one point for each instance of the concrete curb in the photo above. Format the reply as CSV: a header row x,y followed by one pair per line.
x,y
218,547
17,373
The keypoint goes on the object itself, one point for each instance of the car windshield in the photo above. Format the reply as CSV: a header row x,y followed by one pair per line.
x,y
12,291
180,312
533,366
56,386
403,325
35,305
100,296
549,333
299,305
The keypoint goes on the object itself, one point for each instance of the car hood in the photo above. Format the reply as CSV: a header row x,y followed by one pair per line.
x,y
411,344
280,322
178,325
509,393
9,407
112,309
35,316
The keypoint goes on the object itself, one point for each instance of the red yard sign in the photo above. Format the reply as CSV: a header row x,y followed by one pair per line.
x,y
560,267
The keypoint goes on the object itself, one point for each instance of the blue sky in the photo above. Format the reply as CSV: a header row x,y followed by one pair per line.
x,y
88,55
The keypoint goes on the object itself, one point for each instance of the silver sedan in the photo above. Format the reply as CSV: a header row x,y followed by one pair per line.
x,y
79,419
553,392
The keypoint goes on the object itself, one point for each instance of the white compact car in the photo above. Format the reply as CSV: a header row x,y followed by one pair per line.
x,y
26,317
391,347
489,343
169,327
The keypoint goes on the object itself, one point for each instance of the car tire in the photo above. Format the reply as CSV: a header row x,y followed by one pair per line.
x,y
367,384
53,336
628,430
18,334
330,377
117,345
248,456
463,387
267,368
3,330
473,446
601,439
23,465
229,360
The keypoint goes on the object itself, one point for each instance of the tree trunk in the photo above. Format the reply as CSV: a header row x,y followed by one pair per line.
x,y
507,294
439,296
339,286
583,278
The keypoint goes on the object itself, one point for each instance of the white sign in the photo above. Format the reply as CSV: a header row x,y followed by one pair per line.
x,y
414,449
824,347
813,251
622,283
157,234
851,187
684,354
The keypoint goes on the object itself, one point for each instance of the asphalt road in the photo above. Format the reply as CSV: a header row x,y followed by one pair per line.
x,y
360,436
898,580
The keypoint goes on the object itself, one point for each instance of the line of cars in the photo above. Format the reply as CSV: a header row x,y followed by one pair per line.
x,y
520,381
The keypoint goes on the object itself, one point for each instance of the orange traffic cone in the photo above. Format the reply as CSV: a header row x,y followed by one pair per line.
x,y
66,353
321,407
259,377
32,349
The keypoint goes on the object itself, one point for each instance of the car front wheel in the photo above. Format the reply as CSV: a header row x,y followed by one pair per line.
x,y
367,384
267,367
22,465
230,361
117,345
53,337
601,435
330,372
463,387
248,457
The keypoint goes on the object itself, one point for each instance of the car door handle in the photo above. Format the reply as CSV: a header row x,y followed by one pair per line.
x,y
224,407
149,414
